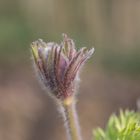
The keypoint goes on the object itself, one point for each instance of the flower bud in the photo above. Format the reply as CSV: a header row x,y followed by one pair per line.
x,y
58,65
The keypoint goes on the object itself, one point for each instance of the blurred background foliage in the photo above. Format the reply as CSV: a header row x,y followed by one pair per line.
x,y
110,80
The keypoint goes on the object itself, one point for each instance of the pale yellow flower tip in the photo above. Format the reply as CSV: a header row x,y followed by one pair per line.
x,y
34,51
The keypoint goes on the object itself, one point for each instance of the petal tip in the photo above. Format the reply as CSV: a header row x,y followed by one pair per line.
x,y
92,51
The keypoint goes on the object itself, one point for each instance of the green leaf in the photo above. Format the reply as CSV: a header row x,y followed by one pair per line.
x,y
126,126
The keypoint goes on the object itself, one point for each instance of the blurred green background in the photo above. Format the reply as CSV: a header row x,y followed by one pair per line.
x,y
110,80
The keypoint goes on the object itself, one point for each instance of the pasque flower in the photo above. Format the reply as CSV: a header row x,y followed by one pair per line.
x,y
58,65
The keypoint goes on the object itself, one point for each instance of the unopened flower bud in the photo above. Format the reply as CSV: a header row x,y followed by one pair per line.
x,y
58,65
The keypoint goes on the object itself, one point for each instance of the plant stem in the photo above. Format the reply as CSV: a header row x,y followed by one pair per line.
x,y
72,124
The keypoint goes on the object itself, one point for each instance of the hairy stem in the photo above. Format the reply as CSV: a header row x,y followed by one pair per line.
x,y
71,121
